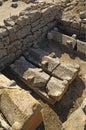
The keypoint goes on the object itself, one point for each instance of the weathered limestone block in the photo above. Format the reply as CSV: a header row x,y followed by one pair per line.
x,y
9,22
66,72
63,39
49,64
34,15
37,34
23,32
21,110
11,49
28,39
3,32
56,88
34,24
81,46
5,40
3,52
6,83
34,76
77,120
12,34
23,21
3,123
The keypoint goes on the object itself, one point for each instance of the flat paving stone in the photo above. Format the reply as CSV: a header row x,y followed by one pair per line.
x,y
49,64
66,72
33,77
56,88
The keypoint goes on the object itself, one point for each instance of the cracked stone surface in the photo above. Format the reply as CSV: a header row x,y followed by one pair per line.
x,y
56,88
20,109
65,72
49,63
29,73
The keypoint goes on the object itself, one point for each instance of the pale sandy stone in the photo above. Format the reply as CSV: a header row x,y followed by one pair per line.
x,y
29,73
49,64
56,88
6,83
19,106
65,72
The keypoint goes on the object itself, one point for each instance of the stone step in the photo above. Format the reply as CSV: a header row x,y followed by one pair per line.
x,y
33,77
20,109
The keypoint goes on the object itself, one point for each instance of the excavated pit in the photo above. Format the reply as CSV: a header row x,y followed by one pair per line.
x,y
41,58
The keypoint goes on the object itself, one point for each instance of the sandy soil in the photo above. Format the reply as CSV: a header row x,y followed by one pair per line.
x,y
6,10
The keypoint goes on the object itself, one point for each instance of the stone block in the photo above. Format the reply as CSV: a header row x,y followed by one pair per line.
x,y
23,32
66,72
34,15
49,64
20,109
3,52
7,83
3,32
77,120
81,46
23,21
56,88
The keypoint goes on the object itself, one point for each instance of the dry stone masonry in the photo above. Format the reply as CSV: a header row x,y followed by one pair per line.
x,y
37,73
30,27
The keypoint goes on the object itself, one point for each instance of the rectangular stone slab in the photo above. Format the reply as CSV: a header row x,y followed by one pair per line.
x,y
66,72
21,110
30,73
35,55
7,83
33,77
56,88
49,64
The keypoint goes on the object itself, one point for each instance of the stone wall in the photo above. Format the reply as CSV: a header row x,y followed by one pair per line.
x,y
24,30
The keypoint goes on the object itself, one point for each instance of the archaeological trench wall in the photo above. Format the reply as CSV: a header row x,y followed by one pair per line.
x,y
28,28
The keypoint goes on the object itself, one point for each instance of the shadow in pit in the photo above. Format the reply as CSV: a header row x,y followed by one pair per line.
x,y
71,100
41,127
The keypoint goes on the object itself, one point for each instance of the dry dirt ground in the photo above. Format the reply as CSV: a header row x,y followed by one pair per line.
x,y
6,10
54,116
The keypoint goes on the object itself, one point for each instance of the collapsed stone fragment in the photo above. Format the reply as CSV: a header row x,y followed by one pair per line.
x,y
20,109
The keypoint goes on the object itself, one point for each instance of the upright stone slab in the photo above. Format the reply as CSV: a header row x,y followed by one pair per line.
x,y
21,110
56,88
